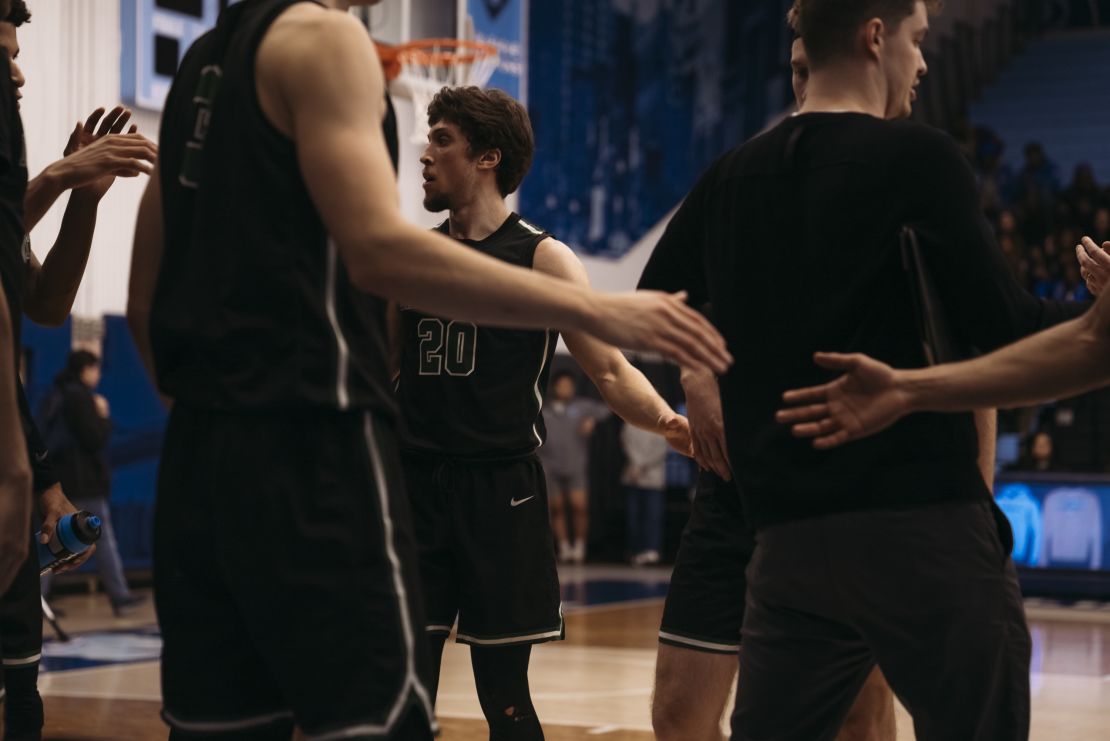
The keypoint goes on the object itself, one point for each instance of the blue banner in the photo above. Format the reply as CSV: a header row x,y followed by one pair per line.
x,y
501,23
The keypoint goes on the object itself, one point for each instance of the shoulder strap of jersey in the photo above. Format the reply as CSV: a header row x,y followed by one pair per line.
x,y
537,236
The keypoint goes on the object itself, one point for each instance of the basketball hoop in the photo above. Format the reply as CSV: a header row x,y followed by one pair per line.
x,y
429,65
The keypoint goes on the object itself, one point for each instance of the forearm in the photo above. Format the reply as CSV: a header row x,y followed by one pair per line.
x,y
1068,359
41,194
54,285
632,397
427,271
986,425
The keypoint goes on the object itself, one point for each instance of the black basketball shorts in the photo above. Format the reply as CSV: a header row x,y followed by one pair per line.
x,y
21,616
487,555
705,603
285,579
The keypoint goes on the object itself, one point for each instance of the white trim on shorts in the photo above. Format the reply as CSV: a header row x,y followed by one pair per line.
x,y
532,638
438,628
547,635
723,648
411,683
222,726
342,392
25,661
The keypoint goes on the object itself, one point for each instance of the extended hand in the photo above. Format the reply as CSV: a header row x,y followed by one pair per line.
x,y
95,157
707,423
53,506
1094,264
658,322
865,400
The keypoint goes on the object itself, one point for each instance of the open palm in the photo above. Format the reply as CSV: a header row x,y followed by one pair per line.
x,y
88,133
865,400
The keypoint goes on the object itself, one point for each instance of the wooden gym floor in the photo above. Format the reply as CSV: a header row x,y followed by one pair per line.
x,y
596,684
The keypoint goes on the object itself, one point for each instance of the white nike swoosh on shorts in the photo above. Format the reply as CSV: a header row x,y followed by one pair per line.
x,y
517,502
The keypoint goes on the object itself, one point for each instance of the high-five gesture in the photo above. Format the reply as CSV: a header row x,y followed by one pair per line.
x,y
94,157
866,399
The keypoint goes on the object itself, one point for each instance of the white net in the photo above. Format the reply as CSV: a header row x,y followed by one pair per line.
x,y
429,65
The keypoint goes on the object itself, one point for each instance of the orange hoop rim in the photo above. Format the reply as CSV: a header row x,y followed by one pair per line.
x,y
430,52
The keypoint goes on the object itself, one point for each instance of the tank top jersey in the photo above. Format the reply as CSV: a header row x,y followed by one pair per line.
x,y
253,308
476,393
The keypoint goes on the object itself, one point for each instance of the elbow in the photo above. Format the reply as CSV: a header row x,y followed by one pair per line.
x,y
377,258
16,479
45,315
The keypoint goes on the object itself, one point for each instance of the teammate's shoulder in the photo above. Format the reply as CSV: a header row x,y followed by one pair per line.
x,y
913,143
308,27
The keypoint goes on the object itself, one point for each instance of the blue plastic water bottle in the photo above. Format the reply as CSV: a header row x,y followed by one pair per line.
x,y
72,536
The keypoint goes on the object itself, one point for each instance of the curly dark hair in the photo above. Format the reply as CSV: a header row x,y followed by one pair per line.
x,y
19,14
489,119
828,26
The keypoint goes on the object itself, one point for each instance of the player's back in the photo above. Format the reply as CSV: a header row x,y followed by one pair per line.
x,y
472,392
253,308
801,228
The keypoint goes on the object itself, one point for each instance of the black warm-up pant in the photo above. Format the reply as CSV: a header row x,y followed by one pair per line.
x,y
930,594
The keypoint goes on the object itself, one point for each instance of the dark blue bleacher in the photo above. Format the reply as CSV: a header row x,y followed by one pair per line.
x,y
1056,92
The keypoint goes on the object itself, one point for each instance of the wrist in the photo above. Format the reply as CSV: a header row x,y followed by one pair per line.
x,y
85,197
56,177
695,375
914,388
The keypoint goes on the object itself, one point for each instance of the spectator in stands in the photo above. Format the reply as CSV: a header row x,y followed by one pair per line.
x,y
644,478
1100,231
1039,173
1035,212
1039,454
1082,197
76,423
996,181
570,422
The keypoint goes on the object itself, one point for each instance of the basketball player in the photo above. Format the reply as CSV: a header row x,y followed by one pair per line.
x,y
273,211
1060,362
471,398
887,553
45,293
704,610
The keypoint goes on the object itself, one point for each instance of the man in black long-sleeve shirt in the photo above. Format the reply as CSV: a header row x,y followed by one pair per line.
x,y
886,550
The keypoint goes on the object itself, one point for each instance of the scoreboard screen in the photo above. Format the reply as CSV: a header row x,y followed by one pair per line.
x,y
155,35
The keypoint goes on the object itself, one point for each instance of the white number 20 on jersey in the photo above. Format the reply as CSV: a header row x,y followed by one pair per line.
x,y
447,345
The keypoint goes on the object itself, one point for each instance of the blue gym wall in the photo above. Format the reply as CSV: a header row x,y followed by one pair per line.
x,y
632,99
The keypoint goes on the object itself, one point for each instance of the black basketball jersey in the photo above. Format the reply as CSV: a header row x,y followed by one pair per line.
x,y
253,307
472,392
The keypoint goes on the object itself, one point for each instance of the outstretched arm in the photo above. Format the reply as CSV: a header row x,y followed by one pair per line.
x,y
92,155
326,82
90,166
622,386
1065,360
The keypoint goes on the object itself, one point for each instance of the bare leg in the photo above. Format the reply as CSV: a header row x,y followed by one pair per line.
x,y
691,691
557,508
872,716
580,511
